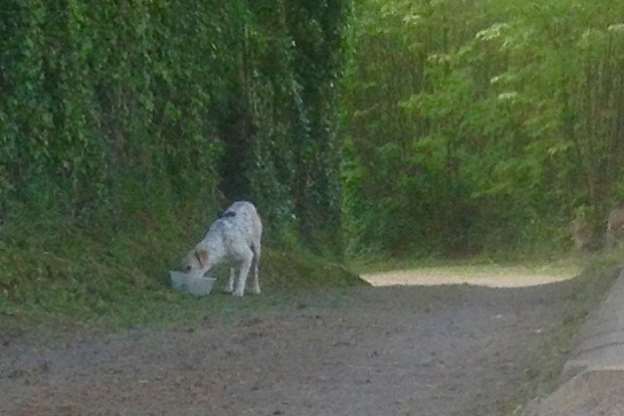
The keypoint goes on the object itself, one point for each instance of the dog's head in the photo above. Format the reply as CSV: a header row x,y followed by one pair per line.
x,y
196,261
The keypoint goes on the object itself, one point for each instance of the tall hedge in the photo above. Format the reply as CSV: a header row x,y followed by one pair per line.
x,y
125,105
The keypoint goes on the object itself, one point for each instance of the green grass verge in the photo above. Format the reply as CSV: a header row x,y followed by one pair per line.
x,y
55,273
556,264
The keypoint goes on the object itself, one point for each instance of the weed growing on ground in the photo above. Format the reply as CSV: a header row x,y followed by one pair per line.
x,y
54,271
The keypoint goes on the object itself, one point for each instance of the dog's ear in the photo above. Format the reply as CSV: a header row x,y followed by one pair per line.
x,y
202,256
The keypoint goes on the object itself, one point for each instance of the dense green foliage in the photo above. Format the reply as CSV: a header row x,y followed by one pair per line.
x,y
466,126
481,125
126,125
128,106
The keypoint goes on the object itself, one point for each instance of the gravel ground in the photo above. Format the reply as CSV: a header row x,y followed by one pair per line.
x,y
448,350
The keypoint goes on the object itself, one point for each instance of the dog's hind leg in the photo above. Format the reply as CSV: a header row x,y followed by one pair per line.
x,y
243,273
255,287
229,288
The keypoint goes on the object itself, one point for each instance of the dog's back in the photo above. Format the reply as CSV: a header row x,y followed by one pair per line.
x,y
240,220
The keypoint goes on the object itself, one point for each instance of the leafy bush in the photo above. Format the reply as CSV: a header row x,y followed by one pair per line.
x,y
480,125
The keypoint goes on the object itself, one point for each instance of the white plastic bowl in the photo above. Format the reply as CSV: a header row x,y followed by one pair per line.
x,y
195,285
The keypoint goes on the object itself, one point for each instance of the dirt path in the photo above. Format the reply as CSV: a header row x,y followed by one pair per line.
x,y
454,350
478,275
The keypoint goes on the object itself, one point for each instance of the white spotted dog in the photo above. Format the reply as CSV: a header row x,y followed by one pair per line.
x,y
233,238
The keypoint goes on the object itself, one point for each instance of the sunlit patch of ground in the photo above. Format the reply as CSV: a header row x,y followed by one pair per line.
x,y
478,275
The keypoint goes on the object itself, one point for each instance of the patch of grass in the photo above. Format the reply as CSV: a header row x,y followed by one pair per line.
x,y
58,273
531,257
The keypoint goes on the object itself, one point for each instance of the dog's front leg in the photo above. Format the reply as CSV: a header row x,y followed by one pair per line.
x,y
230,284
242,276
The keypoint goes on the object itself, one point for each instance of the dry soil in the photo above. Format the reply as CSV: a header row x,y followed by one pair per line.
x,y
445,350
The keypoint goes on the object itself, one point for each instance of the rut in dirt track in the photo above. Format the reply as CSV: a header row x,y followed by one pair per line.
x,y
454,350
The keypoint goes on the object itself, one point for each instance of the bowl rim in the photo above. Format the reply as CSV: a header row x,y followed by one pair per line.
x,y
202,278
182,275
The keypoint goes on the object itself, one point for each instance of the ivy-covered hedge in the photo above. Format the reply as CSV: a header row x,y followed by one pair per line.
x,y
126,107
